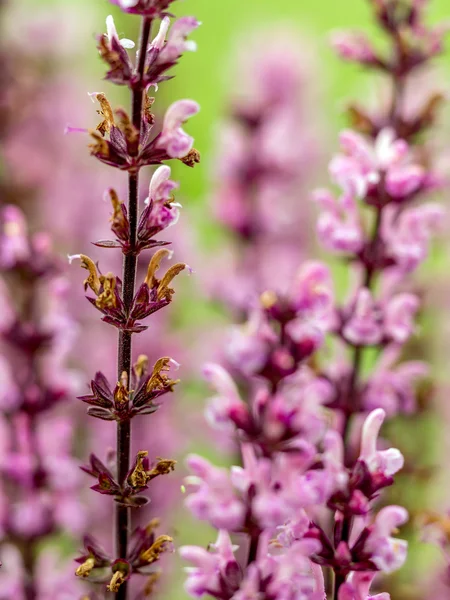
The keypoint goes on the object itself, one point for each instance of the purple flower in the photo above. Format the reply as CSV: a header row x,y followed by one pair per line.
x,y
163,211
364,326
294,530
407,235
177,42
160,39
363,163
392,388
248,346
399,316
293,576
173,139
312,292
338,227
288,575
354,46
227,408
214,570
266,489
213,498
161,186
387,553
384,462
247,350
274,484
357,587
403,181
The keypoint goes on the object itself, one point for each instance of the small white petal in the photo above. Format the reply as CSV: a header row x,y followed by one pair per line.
x,y
111,30
190,46
159,40
128,44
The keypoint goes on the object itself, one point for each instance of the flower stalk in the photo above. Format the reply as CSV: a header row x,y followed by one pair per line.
x,y
129,145
40,489
129,280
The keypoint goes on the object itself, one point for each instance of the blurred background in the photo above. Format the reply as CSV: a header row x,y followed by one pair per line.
x,y
54,64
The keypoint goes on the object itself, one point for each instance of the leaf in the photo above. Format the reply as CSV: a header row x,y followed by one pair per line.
x,y
89,400
107,244
133,502
102,490
147,410
136,329
100,413
145,245
97,464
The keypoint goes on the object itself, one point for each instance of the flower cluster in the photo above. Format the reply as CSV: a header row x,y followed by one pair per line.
x,y
129,143
39,477
305,497
118,143
267,155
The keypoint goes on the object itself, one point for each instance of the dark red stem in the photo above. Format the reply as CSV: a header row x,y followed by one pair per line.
x,y
129,279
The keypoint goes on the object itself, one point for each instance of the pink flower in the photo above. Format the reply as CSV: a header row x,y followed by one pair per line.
x,y
338,226
402,181
312,294
173,139
383,462
276,484
226,409
160,38
357,587
53,580
164,212
388,553
177,42
363,162
407,235
293,575
295,411
213,568
294,530
31,516
213,498
399,315
392,388
248,346
364,327
161,186
353,46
